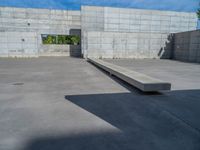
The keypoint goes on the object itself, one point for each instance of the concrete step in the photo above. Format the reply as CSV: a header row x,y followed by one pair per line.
x,y
138,80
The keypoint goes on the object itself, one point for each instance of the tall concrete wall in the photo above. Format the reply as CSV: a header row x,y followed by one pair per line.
x,y
31,23
127,45
106,32
137,33
187,46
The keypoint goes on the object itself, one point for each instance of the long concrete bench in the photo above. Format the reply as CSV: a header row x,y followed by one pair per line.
x,y
138,80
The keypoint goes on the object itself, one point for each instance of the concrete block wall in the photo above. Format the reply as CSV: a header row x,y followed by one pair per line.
x,y
55,50
151,28
135,20
18,44
187,46
127,45
36,22
106,32
92,18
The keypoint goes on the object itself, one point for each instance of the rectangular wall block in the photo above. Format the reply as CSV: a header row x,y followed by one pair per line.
x,y
29,22
187,46
127,45
131,33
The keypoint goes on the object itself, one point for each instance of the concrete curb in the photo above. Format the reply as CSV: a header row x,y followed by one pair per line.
x,y
138,80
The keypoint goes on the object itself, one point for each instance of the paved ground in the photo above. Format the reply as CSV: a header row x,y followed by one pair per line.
x,y
68,104
181,75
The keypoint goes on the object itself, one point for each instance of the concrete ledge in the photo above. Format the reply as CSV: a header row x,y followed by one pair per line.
x,y
138,80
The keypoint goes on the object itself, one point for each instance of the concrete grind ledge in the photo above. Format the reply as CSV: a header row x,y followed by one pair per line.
x,y
138,80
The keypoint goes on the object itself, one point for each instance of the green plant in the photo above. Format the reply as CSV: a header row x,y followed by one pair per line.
x,y
49,40
75,40
61,39
68,40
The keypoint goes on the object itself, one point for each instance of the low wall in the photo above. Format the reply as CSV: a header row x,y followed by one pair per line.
x,y
60,50
54,50
187,46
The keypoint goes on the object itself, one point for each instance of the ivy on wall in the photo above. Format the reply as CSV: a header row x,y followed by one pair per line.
x,y
61,39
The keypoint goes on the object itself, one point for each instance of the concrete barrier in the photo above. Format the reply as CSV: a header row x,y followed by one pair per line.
x,y
138,80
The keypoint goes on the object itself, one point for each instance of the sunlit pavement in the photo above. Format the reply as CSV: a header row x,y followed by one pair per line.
x,y
67,103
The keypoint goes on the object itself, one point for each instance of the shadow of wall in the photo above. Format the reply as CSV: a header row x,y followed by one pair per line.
x,y
167,51
145,122
158,121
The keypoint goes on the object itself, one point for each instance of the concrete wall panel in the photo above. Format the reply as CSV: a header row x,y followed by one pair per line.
x,y
28,21
137,33
106,32
126,45
187,46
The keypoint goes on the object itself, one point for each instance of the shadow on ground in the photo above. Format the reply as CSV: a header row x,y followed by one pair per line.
x,y
159,122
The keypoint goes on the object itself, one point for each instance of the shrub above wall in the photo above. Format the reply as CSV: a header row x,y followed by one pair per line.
x,y
61,39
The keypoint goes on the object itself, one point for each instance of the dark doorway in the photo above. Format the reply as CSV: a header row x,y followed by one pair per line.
x,y
75,50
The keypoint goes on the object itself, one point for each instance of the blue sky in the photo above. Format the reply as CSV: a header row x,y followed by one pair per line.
x,y
174,5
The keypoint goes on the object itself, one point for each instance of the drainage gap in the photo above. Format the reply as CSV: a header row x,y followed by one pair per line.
x,y
18,83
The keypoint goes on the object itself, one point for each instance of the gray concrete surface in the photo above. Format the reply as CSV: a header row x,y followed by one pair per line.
x,y
141,81
29,24
181,75
187,46
65,103
109,32
106,32
127,44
